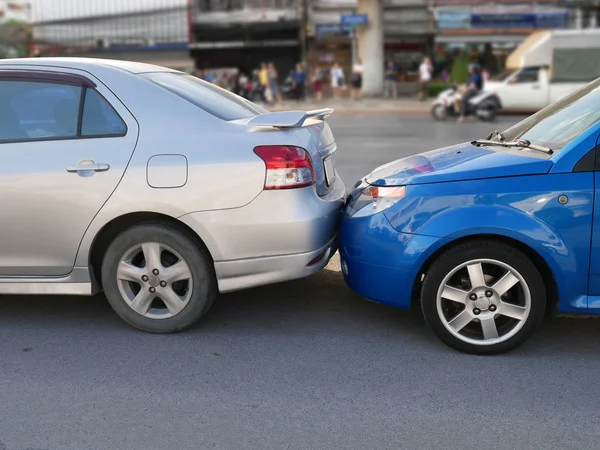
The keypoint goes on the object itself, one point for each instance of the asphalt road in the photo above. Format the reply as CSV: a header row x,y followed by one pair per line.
x,y
300,365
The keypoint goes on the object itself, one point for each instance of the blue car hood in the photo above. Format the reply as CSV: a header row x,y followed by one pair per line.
x,y
457,163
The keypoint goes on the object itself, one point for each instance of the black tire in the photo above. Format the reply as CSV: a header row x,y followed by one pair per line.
x,y
490,112
474,250
435,112
204,291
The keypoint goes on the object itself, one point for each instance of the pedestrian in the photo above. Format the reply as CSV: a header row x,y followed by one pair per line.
x,y
299,79
337,80
263,82
390,83
243,86
318,84
274,83
357,78
445,76
207,76
425,72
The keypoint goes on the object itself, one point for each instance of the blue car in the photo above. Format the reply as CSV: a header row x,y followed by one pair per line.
x,y
486,236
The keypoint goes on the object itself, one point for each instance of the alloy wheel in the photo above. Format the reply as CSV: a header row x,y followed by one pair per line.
x,y
154,280
483,302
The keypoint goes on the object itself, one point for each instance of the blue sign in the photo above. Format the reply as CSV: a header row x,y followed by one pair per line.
x,y
528,20
453,20
331,30
354,19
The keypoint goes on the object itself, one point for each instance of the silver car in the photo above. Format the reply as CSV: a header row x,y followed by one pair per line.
x,y
157,188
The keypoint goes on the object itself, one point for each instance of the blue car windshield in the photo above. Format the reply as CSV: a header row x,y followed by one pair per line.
x,y
558,124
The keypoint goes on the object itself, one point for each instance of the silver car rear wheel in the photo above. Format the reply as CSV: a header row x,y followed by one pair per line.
x,y
494,306
154,280
159,278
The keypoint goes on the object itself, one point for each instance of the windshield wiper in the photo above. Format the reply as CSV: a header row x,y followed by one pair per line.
x,y
523,143
494,134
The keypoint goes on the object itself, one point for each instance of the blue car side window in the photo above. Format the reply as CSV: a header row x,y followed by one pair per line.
x,y
38,110
99,118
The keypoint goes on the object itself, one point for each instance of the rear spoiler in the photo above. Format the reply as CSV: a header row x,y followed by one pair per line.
x,y
288,119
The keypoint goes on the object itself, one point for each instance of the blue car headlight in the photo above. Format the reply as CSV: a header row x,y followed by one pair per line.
x,y
374,199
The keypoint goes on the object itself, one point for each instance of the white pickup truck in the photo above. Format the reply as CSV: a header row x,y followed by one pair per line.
x,y
528,89
547,66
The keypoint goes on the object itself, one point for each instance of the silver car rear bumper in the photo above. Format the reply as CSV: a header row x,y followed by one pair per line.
x,y
246,273
281,235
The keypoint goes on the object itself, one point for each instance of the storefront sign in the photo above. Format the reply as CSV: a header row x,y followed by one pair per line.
x,y
332,30
532,20
354,19
501,17
453,20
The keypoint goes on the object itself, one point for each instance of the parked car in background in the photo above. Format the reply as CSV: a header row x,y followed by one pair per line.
x,y
486,236
546,67
156,187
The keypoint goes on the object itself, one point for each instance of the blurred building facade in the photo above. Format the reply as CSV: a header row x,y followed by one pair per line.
x,y
246,32
503,24
155,31
408,33
241,34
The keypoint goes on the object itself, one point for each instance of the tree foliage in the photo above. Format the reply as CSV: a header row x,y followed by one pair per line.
x,y
14,37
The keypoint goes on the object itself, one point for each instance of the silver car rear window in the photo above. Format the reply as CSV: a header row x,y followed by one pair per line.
x,y
213,99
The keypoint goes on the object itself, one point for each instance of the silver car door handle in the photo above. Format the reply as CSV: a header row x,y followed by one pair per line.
x,y
88,167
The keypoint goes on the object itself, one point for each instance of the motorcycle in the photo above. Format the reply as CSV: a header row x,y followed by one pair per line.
x,y
484,105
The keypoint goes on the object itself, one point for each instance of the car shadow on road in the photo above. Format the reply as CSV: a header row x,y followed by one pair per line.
x,y
320,305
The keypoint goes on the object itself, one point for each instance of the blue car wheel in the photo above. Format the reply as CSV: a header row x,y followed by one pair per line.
x,y
483,297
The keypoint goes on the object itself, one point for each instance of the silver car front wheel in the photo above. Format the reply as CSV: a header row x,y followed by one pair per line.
x,y
158,279
483,297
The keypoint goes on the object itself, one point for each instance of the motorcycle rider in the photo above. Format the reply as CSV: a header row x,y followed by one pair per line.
x,y
474,86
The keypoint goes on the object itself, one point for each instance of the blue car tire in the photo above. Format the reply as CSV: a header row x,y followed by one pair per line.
x,y
483,297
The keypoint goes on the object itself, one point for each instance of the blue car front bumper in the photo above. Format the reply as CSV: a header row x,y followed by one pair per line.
x,y
380,263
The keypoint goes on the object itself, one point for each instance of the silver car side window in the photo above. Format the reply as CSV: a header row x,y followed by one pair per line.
x,y
37,110
99,118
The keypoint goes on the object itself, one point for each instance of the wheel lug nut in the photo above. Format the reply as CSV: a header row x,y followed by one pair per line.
x,y
473,296
155,272
152,290
163,284
493,308
476,311
144,278
488,293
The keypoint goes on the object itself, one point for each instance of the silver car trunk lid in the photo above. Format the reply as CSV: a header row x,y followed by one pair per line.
x,y
313,134
317,138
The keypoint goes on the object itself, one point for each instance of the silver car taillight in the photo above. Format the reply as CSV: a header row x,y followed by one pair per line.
x,y
287,167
